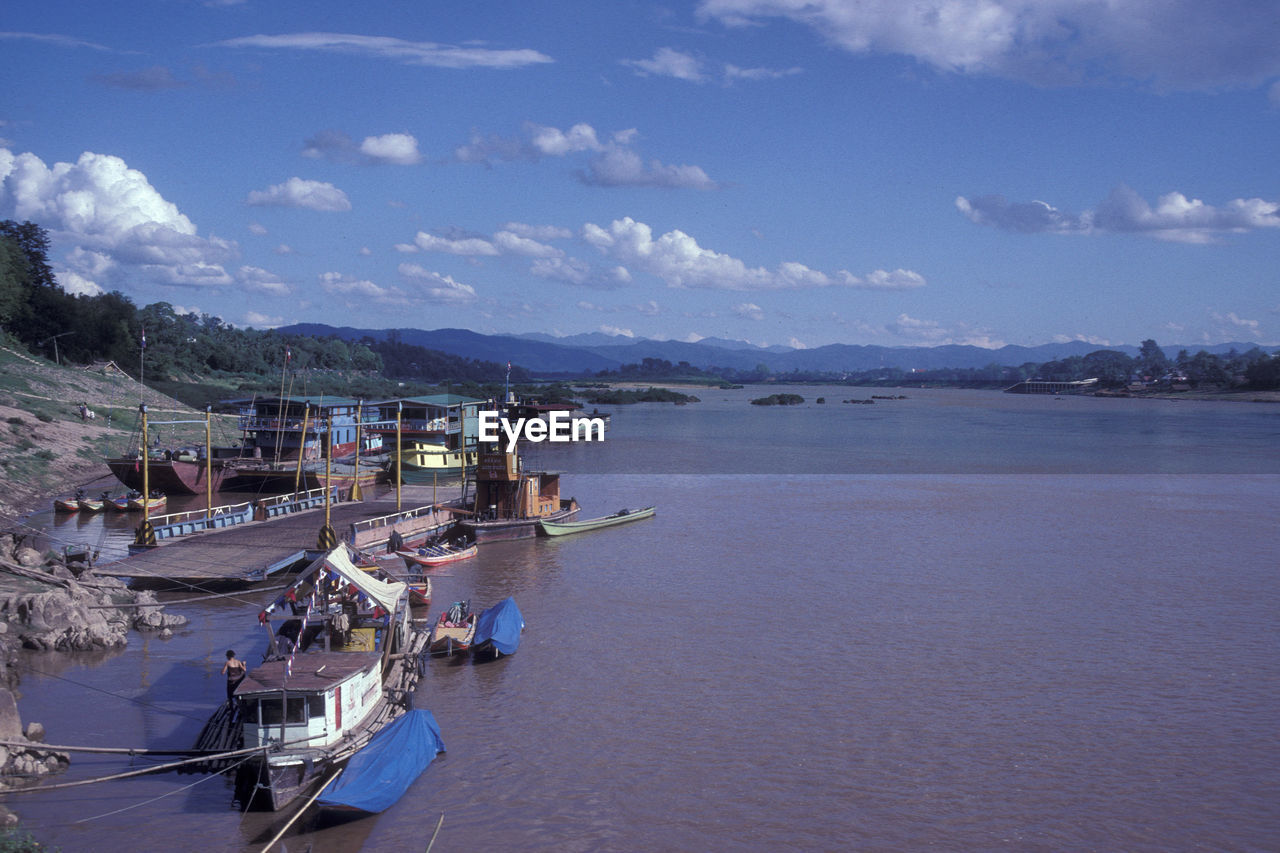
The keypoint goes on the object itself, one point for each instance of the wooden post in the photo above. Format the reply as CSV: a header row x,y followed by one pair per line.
x,y
302,448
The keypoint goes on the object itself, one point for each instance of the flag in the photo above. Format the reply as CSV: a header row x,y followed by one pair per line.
x,y
288,353
144,338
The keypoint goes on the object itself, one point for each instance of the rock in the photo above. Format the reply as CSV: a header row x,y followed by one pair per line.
x,y
35,732
165,633
28,557
10,722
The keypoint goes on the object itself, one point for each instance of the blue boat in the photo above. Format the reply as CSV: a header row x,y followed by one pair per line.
x,y
378,775
498,631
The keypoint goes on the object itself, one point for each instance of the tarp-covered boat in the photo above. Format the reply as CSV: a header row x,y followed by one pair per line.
x,y
498,630
378,775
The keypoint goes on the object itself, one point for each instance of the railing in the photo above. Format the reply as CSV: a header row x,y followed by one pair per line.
x,y
177,524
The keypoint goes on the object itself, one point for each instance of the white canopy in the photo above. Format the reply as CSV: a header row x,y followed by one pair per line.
x,y
386,593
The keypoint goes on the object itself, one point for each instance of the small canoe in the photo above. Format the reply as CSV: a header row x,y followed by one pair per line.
x,y
135,504
453,631
66,505
419,592
92,504
120,504
436,555
563,528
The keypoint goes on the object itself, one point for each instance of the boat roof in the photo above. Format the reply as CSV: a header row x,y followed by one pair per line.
x,y
317,402
312,671
430,400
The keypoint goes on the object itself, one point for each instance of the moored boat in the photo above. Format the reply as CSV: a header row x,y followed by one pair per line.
x,y
180,472
563,528
437,554
88,504
510,502
498,631
341,667
454,631
151,504
66,505
378,775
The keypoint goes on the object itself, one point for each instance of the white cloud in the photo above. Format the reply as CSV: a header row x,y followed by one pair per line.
x,y
76,284
669,62
1166,43
436,287
261,321
510,243
1235,322
258,229
297,192
620,167
469,246
111,221
538,232
400,149
359,289
617,331
1174,217
608,164
258,279
1088,339
933,333
676,258
748,311
395,50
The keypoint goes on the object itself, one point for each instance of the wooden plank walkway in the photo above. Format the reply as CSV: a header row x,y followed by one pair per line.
x,y
244,554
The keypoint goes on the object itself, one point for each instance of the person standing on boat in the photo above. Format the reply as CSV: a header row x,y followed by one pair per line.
x,y
235,670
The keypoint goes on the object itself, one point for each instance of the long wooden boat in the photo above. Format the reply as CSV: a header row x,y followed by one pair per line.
x,y
88,504
419,591
151,504
172,472
510,501
341,667
500,529
454,631
431,555
552,528
423,462
66,505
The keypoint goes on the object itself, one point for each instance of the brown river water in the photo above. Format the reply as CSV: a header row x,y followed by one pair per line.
x,y
962,621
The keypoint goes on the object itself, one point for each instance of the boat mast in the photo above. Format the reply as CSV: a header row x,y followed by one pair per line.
x,y
297,478
355,493
208,462
399,463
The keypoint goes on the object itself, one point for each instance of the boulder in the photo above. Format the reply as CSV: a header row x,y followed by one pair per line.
x,y
35,732
10,722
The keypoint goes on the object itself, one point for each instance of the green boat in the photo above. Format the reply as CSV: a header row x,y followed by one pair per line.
x,y
564,528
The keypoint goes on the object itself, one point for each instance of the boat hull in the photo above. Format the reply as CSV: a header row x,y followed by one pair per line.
x,y
413,560
171,476
550,528
505,529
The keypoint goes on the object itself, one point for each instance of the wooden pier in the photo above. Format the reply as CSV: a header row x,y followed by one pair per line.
x,y
249,553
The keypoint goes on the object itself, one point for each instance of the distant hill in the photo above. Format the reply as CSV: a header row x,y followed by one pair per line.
x,y
589,353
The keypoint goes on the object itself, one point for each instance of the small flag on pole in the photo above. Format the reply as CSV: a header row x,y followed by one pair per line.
x,y
144,338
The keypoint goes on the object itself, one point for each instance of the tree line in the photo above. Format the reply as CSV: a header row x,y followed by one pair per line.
x,y
80,329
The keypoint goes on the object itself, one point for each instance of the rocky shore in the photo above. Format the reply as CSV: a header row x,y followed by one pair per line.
x,y
54,603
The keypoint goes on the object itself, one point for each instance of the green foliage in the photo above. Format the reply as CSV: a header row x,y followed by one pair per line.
x,y
19,841
778,400
652,395
659,369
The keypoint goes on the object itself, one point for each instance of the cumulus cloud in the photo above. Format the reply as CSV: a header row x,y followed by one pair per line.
x,y
1173,217
538,232
677,259
435,286
609,163
933,333
470,246
113,224
296,192
262,281
1171,44
359,290
748,311
261,321
397,149
396,50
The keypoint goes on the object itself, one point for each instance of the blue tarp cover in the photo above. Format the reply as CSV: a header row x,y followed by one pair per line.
x,y
501,624
379,774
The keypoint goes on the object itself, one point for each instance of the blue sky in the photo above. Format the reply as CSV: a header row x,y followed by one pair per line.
x,y
796,172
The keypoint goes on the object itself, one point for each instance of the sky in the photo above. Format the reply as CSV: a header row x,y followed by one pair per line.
x,y
783,172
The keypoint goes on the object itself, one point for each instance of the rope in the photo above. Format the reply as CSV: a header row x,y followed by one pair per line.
x,y
162,796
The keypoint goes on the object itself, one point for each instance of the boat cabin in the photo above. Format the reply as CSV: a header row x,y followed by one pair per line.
x,y
273,426
325,695
505,490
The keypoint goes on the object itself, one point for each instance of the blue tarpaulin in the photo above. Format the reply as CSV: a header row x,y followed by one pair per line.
x,y
500,625
379,774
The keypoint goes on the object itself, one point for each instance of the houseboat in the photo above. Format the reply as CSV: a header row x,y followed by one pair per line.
x,y
291,442
510,501
341,665
428,438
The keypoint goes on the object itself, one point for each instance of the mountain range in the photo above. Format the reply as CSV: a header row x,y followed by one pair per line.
x,y
543,354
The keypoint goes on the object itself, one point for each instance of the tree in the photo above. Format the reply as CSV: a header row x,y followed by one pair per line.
x,y
1111,368
1152,360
